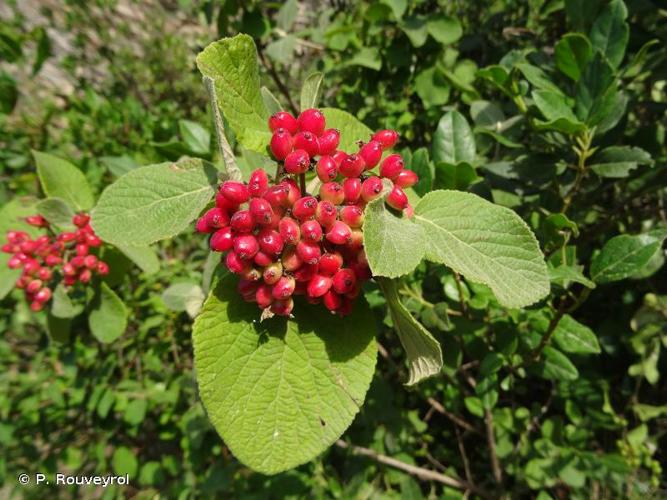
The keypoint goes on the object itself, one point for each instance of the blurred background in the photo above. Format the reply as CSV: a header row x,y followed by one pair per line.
x,y
112,85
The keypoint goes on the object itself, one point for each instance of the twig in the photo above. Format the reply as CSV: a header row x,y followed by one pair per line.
x,y
437,406
300,41
464,455
279,83
459,288
553,324
495,464
419,472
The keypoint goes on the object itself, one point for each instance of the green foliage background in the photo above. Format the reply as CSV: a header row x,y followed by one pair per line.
x,y
525,406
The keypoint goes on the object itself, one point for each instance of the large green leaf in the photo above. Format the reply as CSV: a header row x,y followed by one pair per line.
x,y
625,255
572,336
572,54
61,179
154,202
486,243
351,129
453,140
232,64
394,244
187,297
595,81
311,91
610,32
281,391
57,212
552,105
444,29
107,318
423,351
143,256
619,161
555,365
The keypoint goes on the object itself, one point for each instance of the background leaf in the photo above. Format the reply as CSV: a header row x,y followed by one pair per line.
x,y
61,179
625,255
453,140
107,317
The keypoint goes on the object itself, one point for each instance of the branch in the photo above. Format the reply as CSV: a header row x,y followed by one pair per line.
x,y
495,464
419,472
437,406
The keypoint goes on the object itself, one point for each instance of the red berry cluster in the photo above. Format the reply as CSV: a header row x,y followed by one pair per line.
x,y
48,256
283,241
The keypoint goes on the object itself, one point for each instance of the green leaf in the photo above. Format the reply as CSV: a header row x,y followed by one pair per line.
x,y
107,318
135,411
287,14
154,202
572,54
538,78
432,87
143,256
394,244
497,75
119,165
616,170
444,29
281,391
486,243
61,179
9,93
453,140
563,275
351,129
124,462
610,32
459,176
424,168
282,49
12,216
187,297
486,114
62,306
58,328
232,64
416,29
196,137
554,365
397,7
368,57
593,84
624,255
552,105
563,125
271,102
618,161
423,351
572,336
311,91
57,212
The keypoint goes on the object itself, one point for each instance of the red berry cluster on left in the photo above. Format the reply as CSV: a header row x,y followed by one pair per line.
x,y
52,256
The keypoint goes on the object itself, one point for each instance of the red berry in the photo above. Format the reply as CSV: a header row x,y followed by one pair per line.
x,y
223,203
90,261
308,252
305,272
282,307
31,266
326,213
52,260
36,220
263,296
36,306
78,261
65,237
277,196
291,260
68,269
222,240
329,141
386,137
272,273
332,301
297,162
318,285
293,191
246,246
345,308
263,259
93,240
102,268
356,241
344,281
352,189
371,153
14,263
85,276
80,220
333,192
305,208
242,221
235,192
391,166
308,142
311,231
283,288
339,233
34,286
352,166
261,211
258,183
352,215
371,188
216,218
289,230
406,178
361,271
44,295
82,249
281,144
270,241
312,120
235,264
247,289
283,119
44,274
251,274
397,199
338,157
326,169
330,263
